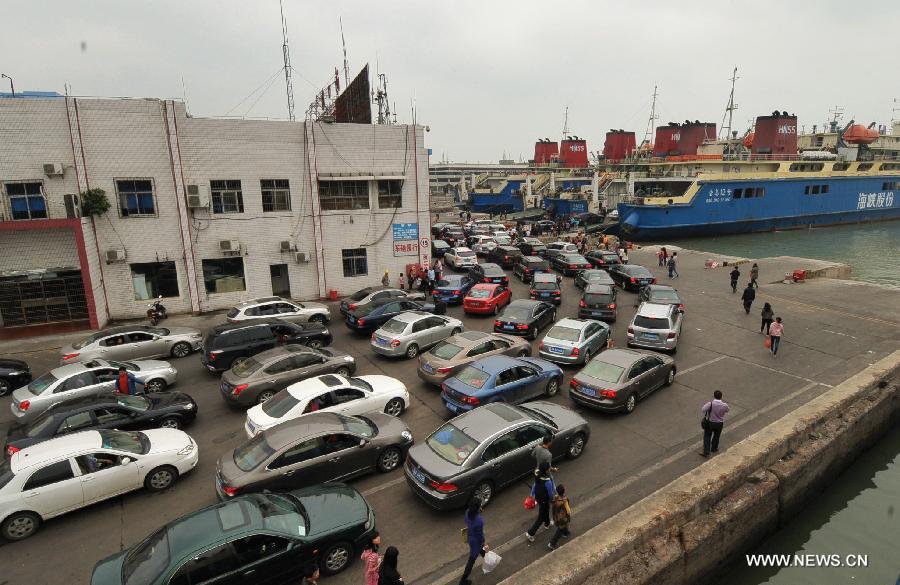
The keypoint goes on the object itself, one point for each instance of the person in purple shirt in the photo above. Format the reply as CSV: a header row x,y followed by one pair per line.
x,y
474,537
713,420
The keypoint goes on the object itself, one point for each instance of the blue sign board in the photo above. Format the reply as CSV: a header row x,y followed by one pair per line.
x,y
406,231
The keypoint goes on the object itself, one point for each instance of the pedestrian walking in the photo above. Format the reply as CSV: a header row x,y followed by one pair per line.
x,y
713,420
562,515
371,559
402,281
438,269
748,297
474,533
673,265
735,274
754,275
542,491
543,455
388,574
776,330
661,257
431,275
624,256
767,315
386,279
665,256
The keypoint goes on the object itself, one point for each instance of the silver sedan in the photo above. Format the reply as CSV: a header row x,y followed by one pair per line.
x,y
134,342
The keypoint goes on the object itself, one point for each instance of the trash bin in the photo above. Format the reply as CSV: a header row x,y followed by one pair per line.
x,y
333,294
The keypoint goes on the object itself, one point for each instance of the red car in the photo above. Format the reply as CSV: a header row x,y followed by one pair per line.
x,y
486,299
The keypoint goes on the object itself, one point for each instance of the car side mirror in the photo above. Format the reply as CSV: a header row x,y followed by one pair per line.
x,y
362,442
126,460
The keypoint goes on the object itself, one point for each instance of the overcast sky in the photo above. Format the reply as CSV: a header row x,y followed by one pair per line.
x,y
486,76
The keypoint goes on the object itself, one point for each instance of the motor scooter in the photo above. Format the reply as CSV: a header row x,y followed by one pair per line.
x,y
156,312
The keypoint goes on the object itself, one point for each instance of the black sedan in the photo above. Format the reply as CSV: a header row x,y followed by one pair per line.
x,y
489,273
439,248
661,295
371,316
586,277
454,236
13,374
524,317
485,449
603,258
569,264
531,246
505,256
631,276
172,410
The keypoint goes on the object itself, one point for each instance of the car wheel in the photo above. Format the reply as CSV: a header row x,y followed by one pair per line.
x,y
674,350
587,356
484,491
343,371
181,349
523,353
630,403
161,478
456,331
314,343
20,526
552,387
317,319
265,395
576,447
670,377
412,351
170,422
336,558
155,385
389,460
532,335
4,387
394,407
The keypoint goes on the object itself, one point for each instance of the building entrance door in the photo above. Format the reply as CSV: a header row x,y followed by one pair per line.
x,y
281,284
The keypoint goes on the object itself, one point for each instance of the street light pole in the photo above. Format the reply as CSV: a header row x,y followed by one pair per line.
x,y
11,86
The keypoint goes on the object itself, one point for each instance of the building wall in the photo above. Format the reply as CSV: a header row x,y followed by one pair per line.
x,y
57,250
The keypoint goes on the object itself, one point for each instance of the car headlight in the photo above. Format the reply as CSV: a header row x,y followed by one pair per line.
x,y
370,521
348,358
172,370
407,436
189,406
187,449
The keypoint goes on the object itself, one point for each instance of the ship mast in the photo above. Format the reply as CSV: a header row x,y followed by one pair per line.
x,y
566,124
651,123
729,109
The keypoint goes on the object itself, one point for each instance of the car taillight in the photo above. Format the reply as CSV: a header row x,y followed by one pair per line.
x,y
444,488
611,305
527,271
522,327
670,336
23,406
10,450
633,281
395,343
236,391
497,323
573,265
607,393
556,292
214,354
443,388
575,351
573,383
532,292
229,491
471,400
361,322
351,306
582,304
457,292
443,370
505,258
631,330
70,356
680,306
372,336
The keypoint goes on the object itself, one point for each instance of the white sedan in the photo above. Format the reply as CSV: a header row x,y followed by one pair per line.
x,y
329,393
64,474
482,245
461,257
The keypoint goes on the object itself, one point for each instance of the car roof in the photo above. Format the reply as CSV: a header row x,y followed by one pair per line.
x,y
653,287
533,259
598,289
654,310
572,323
52,449
483,423
411,316
259,301
495,363
619,356
261,322
281,351
632,268
194,532
486,286
463,249
120,329
507,248
309,424
524,303
469,338
76,368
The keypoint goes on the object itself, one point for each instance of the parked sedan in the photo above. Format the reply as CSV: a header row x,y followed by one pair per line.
x,y
528,266
276,536
603,258
569,264
68,473
376,293
168,410
661,295
585,278
459,258
479,452
574,341
545,287
482,244
13,374
617,378
133,343
408,333
311,450
500,379
452,288
631,276
531,246
598,302
453,354
287,310
83,379
329,393
489,273
504,255
486,299
371,316
656,326
439,248
259,378
524,317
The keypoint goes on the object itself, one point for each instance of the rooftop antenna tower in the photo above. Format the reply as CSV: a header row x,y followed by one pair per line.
x,y
287,65
566,124
837,112
344,46
381,98
729,109
651,123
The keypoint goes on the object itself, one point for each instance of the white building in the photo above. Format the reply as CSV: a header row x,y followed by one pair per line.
x,y
206,212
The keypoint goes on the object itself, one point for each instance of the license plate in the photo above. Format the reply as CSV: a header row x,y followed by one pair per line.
x,y
545,295
556,350
419,475
587,391
651,336
381,341
428,368
509,327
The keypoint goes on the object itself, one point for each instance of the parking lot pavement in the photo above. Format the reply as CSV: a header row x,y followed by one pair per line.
x,y
626,458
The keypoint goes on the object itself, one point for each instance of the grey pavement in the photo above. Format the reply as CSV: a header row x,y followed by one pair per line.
x,y
833,329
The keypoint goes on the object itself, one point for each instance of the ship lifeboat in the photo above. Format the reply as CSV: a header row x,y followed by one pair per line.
x,y
748,140
859,134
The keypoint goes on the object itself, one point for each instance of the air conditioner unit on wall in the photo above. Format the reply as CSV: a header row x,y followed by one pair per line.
x,y
197,201
53,169
286,246
230,245
193,189
300,257
115,256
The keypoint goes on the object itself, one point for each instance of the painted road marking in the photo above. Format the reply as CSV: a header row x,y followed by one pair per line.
x,y
385,486
703,365
836,311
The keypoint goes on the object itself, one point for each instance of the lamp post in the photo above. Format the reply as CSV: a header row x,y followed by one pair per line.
x,y
11,86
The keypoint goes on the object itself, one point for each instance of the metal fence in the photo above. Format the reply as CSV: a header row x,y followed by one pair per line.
x,y
47,297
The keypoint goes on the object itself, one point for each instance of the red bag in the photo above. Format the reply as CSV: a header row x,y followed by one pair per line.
x,y
768,343
530,503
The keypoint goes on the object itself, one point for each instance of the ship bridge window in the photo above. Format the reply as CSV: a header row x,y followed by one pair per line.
x,y
815,189
890,166
890,185
737,193
806,167
840,167
864,167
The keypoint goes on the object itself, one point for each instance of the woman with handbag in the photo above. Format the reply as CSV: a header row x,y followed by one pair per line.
x,y
713,420
542,491
776,330
474,533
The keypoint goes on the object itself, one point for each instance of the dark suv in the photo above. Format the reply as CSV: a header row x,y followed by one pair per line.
x,y
504,256
528,266
226,343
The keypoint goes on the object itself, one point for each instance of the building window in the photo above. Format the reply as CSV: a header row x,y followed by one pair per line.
x,y
343,195
226,197
26,200
276,194
390,194
152,279
223,275
355,262
135,197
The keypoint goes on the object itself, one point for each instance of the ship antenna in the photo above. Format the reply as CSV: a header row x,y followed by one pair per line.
x,y
287,65
651,123
730,108
566,124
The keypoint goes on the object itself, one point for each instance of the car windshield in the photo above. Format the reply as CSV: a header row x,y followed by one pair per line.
x,y
82,343
451,444
38,385
472,376
537,265
364,310
133,442
576,259
233,313
147,560
516,313
253,453
664,294
245,368
493,271
450,281
135,402
603,371
480,293
639,272
545,286
359,425
651,322
564,333
394,326
540,416
597,298
280,404
503,240
361,384
39,425
465,253
283,514
445,350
